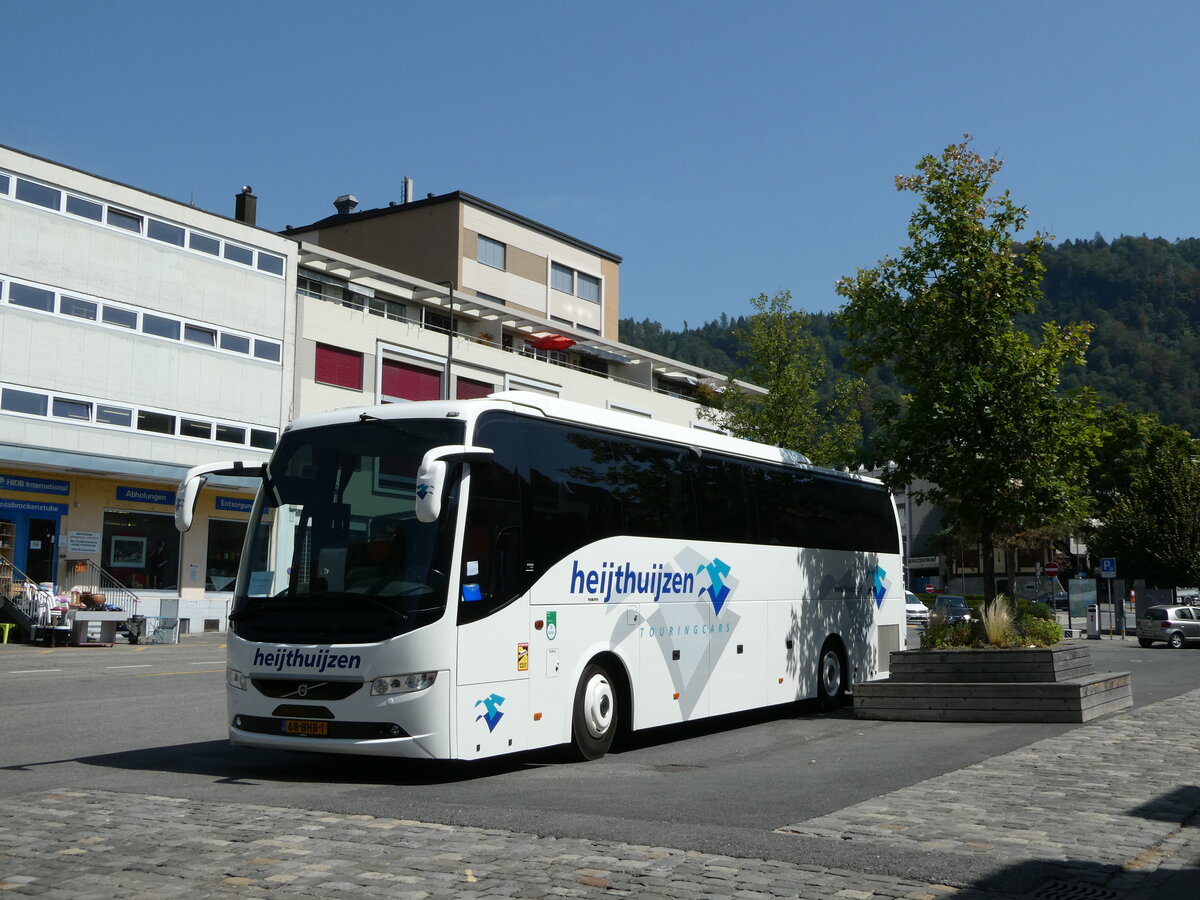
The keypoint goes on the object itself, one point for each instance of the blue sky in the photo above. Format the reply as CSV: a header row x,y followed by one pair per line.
x,y
722,149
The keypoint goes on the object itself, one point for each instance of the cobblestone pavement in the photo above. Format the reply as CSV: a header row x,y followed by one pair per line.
x,y
1129,828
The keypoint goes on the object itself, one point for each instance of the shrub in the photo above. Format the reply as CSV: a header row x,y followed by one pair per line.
x,y
940,635
998,627
1040,632
1028,609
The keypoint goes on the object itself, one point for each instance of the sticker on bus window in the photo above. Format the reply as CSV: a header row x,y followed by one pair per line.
x,y
522,657
260,583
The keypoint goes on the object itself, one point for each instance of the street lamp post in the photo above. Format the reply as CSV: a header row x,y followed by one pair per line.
x,y
449,340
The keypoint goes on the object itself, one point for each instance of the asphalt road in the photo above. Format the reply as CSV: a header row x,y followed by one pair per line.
x,y
150,720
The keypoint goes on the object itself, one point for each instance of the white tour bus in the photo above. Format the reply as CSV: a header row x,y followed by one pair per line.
x,y
459,579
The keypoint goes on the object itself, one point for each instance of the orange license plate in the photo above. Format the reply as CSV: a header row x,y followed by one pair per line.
x,y
303,726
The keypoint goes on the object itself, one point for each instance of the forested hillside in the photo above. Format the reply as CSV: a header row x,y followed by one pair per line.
x,y
1142,294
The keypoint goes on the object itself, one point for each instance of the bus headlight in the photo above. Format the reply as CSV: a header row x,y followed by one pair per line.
x,y
236,679
402,684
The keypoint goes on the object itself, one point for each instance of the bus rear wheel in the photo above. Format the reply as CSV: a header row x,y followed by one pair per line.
x,y
594,719
831,676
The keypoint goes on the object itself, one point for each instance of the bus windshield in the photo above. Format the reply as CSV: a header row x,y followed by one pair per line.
x,y
336,552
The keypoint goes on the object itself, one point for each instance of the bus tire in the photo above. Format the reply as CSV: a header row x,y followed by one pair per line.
x,y
831,676
594,718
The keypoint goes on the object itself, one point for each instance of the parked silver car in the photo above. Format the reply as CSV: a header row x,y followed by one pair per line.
x,y
1176,625
914,609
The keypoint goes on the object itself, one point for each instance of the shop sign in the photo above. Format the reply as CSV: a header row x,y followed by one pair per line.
x,y
33,506
234,504
83,542
34,485
145,495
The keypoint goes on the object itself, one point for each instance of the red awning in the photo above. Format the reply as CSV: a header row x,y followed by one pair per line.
x,y
551,342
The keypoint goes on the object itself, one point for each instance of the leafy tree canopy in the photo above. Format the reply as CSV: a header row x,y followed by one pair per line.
x,y
780,353
982,416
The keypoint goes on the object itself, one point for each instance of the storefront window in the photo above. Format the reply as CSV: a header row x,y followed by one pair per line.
x,y
141,550
224,550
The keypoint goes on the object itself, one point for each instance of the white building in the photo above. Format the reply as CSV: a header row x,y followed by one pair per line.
x,y
140,336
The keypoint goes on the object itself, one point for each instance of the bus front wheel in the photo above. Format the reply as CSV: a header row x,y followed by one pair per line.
x,y
831,676
594,721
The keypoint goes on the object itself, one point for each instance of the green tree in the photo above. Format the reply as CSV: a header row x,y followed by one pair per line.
x,y
780,354
982,416
1153,528
1133,443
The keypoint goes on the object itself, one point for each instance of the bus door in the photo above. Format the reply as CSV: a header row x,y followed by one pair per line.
x,y
492,699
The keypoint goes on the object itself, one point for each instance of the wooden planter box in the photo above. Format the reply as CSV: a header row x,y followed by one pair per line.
x,y
1045,684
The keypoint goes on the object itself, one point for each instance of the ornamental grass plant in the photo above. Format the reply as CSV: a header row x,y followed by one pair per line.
x,y
996,626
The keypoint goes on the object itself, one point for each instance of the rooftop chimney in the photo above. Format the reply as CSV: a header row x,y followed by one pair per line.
x,y
345,204
406,197
245,208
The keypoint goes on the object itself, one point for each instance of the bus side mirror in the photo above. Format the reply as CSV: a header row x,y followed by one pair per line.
x,y
431,476
196,477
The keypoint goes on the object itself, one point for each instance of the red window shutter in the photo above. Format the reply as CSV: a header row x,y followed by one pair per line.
x,y
408,382
341,367
468,389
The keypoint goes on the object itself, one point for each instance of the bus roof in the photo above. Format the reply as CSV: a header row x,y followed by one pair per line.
x,y
533,404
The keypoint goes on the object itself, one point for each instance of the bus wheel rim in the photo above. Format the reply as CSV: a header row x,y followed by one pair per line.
x,y
598,706
831,673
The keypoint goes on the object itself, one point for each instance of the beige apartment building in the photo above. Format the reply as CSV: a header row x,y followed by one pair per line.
x,y
140,336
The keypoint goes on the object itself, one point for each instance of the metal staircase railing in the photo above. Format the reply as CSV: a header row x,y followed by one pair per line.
x,y
85,576
26,603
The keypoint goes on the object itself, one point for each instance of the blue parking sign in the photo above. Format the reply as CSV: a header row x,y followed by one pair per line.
x,y
1108,567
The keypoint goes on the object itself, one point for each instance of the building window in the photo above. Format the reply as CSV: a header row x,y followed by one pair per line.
x,y
72,409
235,342
224,550
38,194
404,381
436,321
569,281
262,440
198,335
562,278
26,402
114,415
114,315
81,309
269,262
389,309
122,219
230,434
159,423
336,366
31,297
239,254
85,209
468,389
491,253
268,350
157,325
194,428
204,244
587,287
165,232
141,550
